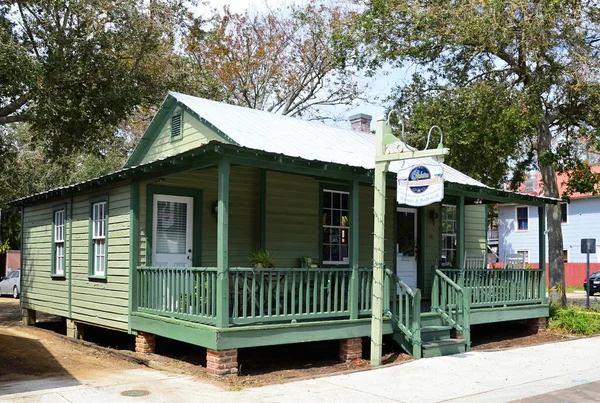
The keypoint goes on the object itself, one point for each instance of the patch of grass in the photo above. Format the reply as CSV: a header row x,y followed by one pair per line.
x,y
574,320
572,288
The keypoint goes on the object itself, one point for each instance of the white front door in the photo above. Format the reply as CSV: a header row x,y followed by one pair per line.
x,y
173,231
406,246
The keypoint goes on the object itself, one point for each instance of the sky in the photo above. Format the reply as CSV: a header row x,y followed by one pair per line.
x,y
379,87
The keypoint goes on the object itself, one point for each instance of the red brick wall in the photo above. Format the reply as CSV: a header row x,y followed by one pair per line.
x,y
13,260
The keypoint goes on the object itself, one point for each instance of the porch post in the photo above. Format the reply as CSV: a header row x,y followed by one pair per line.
x,y
354,247
542,251
223,244
381,168
460,232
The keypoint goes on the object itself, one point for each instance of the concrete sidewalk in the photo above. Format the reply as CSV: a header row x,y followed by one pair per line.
x,y
473,377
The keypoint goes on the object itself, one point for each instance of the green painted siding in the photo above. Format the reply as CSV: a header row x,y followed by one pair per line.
x,y
40,291
432,240
194,134
102,302
292,219
365,256
475,228
244,205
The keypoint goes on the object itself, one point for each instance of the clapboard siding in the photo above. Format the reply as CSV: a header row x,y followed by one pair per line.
x,y
39,291
102,302
244,205
366,228
195,134
475,229
512,240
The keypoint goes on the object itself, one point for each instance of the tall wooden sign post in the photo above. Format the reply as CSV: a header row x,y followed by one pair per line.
x,y
384,136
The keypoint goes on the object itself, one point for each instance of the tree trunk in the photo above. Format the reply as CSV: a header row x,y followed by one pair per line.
x,y
553,222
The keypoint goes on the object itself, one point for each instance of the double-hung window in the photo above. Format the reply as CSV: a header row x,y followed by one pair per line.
x,y
98,239
564,216
448,236
335,226
58,259
522,218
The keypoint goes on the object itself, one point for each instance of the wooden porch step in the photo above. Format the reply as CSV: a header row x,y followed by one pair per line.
x,y
443,347
435,333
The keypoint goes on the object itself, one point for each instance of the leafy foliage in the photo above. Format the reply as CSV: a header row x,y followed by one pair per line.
x,y
543,54
574,320
76,69
289,60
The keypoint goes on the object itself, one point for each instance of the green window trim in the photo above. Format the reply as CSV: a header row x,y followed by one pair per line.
x,y
56,210
176,125
337,189
98,233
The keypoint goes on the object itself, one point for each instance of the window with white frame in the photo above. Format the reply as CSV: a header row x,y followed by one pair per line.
x,y
525,254
99,239
59,243
335,226
448,235
564,210
522,218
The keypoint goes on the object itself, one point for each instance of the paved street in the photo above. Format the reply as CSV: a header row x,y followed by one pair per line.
x,y
551,372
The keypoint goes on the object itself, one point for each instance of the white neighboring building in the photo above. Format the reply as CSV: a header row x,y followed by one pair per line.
x,y
518,225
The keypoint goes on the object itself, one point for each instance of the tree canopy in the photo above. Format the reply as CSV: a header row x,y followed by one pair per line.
x,y
73,69
541,55
287,60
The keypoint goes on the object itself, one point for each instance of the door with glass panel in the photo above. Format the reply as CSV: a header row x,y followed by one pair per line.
x,y
406,246
172,231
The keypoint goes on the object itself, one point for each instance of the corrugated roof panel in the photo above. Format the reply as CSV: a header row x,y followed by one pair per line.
x,y
298,138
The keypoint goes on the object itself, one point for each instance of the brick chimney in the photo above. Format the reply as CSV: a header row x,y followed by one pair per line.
x,y
360,122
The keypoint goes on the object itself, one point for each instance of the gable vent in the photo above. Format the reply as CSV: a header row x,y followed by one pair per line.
x,y
175,126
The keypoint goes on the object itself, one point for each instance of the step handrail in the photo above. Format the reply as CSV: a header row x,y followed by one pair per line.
x,y
406,315
453,305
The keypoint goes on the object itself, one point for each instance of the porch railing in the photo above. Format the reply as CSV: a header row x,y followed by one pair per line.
x,y
255,295
405,308
500,287
280,294
452,302
187,293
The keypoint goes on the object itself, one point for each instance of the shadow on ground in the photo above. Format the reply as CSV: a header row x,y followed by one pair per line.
x,y
26,366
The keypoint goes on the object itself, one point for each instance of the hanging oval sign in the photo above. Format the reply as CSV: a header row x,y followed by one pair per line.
x,y
420,185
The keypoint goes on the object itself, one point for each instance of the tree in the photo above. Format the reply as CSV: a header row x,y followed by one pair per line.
x,y
289,61
26,169
75,69
545,51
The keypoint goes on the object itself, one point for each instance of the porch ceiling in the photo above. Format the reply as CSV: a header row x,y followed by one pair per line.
x,y
209,154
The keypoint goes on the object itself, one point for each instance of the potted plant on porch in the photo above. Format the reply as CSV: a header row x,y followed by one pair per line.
x,y
261,258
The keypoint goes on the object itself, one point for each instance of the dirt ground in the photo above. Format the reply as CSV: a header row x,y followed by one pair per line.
x,y
33,353
36,352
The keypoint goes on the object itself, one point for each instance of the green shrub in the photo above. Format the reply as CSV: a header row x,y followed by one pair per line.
x,y
575,320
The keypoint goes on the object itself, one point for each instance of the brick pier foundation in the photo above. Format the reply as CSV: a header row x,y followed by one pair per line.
x,y
350,349
222,362
145,343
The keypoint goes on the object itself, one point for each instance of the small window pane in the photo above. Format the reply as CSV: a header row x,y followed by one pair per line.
x,y
335,226
345,197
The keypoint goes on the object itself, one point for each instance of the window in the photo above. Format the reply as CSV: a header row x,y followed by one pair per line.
x,y
448,235
566,255
176,126
98,244
335,226
522,218
58,247
525,254
563,213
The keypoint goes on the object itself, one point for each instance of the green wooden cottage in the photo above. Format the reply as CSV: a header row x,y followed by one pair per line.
x,y
161,247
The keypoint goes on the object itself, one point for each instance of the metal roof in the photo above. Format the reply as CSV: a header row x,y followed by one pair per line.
x,y
293,137
256,132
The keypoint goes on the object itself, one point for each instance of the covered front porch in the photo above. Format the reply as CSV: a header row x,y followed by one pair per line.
x,y
243,200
